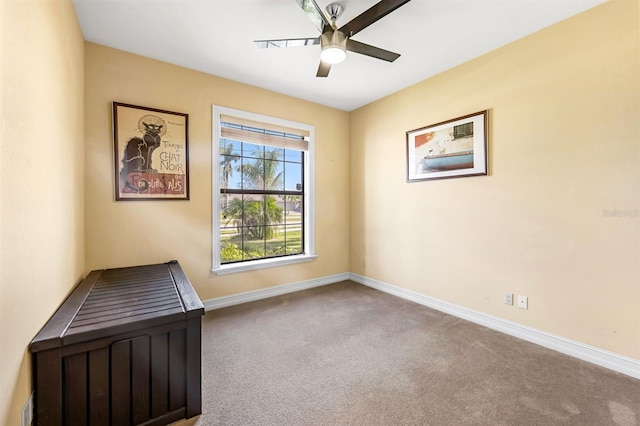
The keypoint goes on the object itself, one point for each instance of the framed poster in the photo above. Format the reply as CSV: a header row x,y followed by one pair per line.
x,y
151,153
453,148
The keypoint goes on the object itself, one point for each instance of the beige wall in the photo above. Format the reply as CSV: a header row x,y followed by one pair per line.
x,y
564,106
564,129
130,233
41,179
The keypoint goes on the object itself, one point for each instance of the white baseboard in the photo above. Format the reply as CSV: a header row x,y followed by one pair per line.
x,y
592,354
251,296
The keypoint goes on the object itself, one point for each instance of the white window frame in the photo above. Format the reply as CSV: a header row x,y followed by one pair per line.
x,y
309,195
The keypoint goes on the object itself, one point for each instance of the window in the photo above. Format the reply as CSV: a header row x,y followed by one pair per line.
x,y
262,191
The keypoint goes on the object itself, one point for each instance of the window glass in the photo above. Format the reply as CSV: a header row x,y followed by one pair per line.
x,y
261,194
293,176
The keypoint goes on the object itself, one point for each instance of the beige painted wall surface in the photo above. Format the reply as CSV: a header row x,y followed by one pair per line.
x,y
131,233
557,219
41,179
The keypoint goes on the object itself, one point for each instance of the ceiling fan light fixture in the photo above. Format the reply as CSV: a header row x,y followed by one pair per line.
x,y
333,55
333,47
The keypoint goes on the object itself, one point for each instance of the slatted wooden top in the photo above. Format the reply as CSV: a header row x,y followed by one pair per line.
x,y
114,301
127,295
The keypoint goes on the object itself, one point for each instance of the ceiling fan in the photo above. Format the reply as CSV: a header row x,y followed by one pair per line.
x,y
336,41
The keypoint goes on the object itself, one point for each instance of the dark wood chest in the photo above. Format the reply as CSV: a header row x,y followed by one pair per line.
x,y
123,349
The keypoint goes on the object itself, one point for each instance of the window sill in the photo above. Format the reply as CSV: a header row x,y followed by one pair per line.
x,y
262,263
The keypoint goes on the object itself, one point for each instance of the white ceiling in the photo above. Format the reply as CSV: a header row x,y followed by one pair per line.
x,y
216,37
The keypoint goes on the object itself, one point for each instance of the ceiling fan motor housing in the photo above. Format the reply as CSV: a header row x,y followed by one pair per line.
x,y
333,44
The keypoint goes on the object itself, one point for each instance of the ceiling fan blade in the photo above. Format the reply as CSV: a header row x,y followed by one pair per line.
x,y
291,42
315,14
374,52
323,69
371,15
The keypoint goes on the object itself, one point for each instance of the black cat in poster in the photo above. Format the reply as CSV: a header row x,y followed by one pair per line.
x,y
138,150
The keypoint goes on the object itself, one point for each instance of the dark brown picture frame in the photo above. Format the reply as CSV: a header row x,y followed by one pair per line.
x,y
151,153
449,149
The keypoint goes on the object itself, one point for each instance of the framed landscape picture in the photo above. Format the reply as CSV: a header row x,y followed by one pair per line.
x,y
151,153
453,148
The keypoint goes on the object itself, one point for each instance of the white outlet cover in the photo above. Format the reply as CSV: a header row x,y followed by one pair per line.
x,y
27,412
508,298
522,302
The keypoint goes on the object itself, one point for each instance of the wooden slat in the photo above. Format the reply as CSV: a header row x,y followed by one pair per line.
x,y
107,286
99,306
140,366
75,389
48,392
124,312
133,292
192,304
177,377
120,383
51,334
159,375
194,366
99,387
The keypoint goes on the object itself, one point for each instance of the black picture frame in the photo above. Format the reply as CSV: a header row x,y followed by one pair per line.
x,y
151,153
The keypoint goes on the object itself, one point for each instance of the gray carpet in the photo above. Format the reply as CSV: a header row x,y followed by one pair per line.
x,y
345,354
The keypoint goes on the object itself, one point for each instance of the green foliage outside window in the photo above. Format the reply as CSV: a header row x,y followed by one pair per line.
x,y
255,217
255,225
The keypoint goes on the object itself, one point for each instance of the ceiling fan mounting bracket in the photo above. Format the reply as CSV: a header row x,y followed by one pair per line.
x,y
334,10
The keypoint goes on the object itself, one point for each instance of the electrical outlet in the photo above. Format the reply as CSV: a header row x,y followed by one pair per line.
x,y
27,412
523,302
508,298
